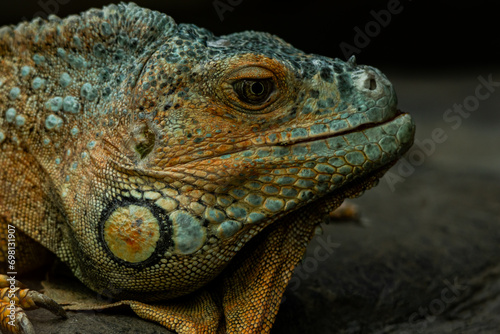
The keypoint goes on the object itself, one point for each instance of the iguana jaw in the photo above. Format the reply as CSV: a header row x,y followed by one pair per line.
x,y
359,128
290,142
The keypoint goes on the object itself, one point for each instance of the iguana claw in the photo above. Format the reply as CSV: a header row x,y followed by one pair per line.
x,y
47,303
16,299
23,324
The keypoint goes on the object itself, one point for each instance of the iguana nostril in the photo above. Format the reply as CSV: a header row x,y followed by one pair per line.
x,y
371,84
369,81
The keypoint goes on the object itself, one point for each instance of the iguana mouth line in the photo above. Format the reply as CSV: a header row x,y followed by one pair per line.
x,y
359,128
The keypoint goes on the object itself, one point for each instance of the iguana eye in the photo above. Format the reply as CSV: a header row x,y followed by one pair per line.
x,y
254,91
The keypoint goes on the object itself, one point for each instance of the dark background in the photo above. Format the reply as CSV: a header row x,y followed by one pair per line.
x,y
438,35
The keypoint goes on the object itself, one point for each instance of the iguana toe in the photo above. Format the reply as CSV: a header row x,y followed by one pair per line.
x,y
15,298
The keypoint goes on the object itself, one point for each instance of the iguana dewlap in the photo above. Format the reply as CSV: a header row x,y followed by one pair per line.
x,y
179,172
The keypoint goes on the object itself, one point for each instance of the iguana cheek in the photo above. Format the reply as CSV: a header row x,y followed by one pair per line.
x,y
189,234
132,233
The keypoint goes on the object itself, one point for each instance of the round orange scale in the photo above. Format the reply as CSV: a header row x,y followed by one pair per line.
x,y
131,233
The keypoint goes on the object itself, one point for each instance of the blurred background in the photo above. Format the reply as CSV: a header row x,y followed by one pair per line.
x,y
424,257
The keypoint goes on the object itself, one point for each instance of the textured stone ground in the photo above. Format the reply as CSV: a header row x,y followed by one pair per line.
x,y
431,246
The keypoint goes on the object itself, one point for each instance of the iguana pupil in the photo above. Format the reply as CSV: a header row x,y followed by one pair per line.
x,y
257,88
254,91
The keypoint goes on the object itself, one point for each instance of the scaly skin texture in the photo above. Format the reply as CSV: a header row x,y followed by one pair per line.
x,y
180,172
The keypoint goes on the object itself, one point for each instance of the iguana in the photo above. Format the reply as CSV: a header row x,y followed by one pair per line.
x,y
177,172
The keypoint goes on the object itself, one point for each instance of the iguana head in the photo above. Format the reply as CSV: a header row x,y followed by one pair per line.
x,y
226,135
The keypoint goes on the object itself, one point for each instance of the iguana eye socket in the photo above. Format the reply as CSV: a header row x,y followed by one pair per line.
x,y
252,91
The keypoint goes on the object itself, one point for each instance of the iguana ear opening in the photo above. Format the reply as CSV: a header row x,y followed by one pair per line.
x,y
143,140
